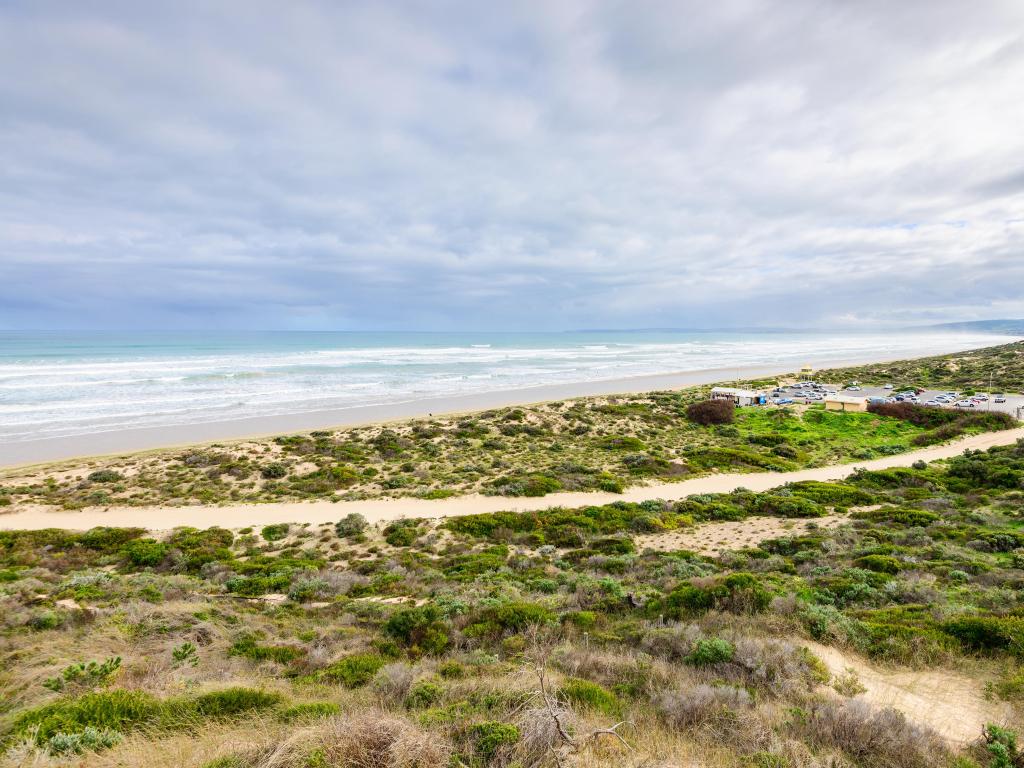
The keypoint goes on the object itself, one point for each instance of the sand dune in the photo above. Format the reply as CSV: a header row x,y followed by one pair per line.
x,y
241,515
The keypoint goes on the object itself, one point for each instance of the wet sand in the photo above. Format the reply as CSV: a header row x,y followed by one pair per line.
x,y
377,510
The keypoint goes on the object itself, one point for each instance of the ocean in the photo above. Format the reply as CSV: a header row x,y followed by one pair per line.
x,y
58,384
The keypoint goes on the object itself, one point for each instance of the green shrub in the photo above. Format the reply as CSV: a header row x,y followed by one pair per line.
x,y
256,585
145,553
517,615
451,670
491,736
44,620
275,532
248,647
528,485
274,471
420,629
106,539
116,710
352,526
879,563
185,654
402,533
588,695
104,476
620,443
738,593
89,739
585,620
708,651
201,547
988,633
84,675
1001,744
423,694
354,671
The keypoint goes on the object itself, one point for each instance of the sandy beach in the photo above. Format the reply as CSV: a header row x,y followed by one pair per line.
x,y
376,510
29,452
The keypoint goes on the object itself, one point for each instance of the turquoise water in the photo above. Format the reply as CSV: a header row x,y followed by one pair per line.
x,y
66,383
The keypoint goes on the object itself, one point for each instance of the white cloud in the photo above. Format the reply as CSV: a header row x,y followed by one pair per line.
x,y
535,165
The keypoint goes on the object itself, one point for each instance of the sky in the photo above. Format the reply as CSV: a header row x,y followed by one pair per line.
x,y
516,165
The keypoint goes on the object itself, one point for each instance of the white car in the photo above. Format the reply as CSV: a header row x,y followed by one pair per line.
x,y
999,398
964,404
933,402
887,386
854,388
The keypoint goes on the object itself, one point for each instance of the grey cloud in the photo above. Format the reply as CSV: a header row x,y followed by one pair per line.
x,y
527,165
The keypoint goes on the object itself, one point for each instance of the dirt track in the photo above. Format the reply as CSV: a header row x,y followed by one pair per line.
x,y
241,515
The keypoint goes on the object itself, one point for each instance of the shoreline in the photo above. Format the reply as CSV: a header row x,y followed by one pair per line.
x,y
163,518
95,445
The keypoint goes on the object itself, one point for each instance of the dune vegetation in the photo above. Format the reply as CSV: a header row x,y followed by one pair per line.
x,y
538,639
604,444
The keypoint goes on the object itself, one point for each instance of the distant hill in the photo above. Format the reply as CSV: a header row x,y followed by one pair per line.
x,y
1011,327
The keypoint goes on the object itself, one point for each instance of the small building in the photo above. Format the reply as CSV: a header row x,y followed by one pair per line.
x,y
845,403
806,373
739,396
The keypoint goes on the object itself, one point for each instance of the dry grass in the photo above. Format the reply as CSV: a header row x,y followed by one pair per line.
x,y
875,738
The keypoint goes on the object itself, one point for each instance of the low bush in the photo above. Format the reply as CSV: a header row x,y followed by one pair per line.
x,y
274,471
492,737
591,696
89,739
402,533
104,476
988,633
737,593
421,629
145,553
275,532
874,738
354,671
709,651
707,412
424,693
84,676
703,705
352,526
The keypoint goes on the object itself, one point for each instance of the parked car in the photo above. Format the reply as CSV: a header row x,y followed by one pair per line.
x,y
854,388
887,386
785,401
964,404
933,402
999,399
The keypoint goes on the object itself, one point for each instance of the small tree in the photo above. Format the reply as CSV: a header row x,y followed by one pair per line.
x,y
712,412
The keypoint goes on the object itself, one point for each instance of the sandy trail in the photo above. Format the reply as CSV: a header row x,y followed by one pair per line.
x,y
375,510
951,703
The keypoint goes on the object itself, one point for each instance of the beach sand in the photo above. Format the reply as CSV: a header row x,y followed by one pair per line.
x,y
30,452
376,510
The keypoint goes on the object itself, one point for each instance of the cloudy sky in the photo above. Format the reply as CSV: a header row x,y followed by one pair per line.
x,y
548,165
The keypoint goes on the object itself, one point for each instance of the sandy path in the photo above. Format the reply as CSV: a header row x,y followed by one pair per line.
x,y
951,703
315,512
715,538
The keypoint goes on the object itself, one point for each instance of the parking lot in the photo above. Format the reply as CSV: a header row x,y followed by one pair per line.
x,y
1014,404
